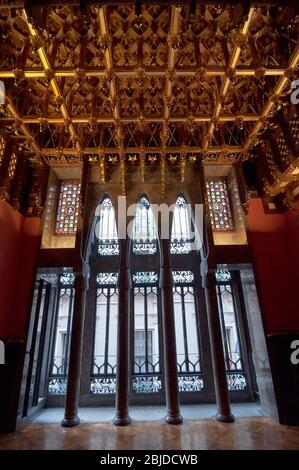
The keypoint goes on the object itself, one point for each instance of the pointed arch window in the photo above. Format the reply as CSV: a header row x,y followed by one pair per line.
x,y
144,233
181,233
106,231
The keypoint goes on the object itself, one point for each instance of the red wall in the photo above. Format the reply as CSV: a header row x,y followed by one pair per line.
x,y
19,244
274,240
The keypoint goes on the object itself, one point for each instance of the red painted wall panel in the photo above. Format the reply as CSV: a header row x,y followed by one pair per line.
x,y
274,243
19,244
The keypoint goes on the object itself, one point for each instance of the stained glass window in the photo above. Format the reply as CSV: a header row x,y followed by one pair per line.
x,y
144,229
12,166
181,237
2,148
106,231
219,206
68,208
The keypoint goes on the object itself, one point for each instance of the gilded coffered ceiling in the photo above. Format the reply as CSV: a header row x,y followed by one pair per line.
x,y
96,81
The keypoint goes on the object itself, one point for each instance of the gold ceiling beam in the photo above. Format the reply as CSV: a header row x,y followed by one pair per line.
x,y
105,33
172,42
107,120
114,96
69,72
136,150
277,90
17,118
226,80
53,82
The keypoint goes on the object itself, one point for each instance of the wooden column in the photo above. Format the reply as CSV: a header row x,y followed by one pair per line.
x,y
170,355
122,417
219,370
208,274
71,417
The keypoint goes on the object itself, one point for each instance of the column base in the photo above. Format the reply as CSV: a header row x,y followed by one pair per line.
x,y
225,418
122,421
70,422
174,419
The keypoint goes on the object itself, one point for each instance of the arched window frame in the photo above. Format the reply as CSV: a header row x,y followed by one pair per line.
x,y
105,229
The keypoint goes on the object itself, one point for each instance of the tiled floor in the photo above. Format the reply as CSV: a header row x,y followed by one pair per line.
x,y
245,433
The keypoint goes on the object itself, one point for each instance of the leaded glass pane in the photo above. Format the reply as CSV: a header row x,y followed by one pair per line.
x,y
187,335
62,335
103,378
106,231
67,279
183,277
236,376
181,237
146,335
107,278
145,277
144,233
223,275
219,205
68,208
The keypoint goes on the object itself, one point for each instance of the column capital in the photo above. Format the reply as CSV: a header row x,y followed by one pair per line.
x,y
208,274
124,278
166,278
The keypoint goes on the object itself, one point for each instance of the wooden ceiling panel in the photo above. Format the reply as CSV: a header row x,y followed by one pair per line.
x,y
84,78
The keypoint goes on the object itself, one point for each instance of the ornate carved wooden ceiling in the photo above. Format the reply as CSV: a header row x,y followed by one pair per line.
x,y
202,80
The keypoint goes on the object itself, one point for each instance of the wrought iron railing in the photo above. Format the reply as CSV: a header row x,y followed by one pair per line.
x,y
103,376
190,376
147,374
58,377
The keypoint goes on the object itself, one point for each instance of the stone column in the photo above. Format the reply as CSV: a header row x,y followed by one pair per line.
x,y
219,370
122,417
170,356
71,417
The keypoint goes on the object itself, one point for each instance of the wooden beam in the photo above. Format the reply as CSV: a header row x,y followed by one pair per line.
x,y
53,82
277,90
69,72
226,80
